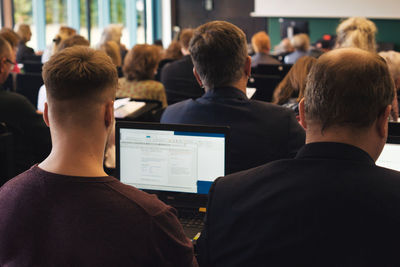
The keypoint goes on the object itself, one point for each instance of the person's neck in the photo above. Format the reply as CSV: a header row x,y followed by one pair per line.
x,y
364,140
75,154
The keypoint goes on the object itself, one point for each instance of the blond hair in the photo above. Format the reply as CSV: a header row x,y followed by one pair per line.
x,y
24,32
357,32
301,42
112,50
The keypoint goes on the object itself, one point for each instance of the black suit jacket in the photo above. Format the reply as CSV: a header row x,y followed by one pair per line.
x,y
330,206
179,81
260,132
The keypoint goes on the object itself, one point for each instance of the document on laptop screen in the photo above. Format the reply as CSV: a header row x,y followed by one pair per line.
x,y
170,160
389,157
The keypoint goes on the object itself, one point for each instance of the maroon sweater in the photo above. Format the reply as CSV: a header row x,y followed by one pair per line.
x,y
48,219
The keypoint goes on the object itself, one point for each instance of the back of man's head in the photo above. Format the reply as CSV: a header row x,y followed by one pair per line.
x,y
185,37
78,80
261,42
347,88
219,52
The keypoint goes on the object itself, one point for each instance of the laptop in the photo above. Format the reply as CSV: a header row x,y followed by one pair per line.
x,y
390,156
178,163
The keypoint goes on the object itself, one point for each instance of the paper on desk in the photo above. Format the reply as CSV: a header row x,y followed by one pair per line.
x,y
121,102
250,92
128,108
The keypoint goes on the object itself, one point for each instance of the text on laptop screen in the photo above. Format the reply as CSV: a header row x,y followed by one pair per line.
x,y
170,160
389,157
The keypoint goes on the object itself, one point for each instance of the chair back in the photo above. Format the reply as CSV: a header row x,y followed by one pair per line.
x,y
28,84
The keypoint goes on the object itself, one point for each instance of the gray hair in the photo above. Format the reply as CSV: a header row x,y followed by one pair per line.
x,y
392,58
356,32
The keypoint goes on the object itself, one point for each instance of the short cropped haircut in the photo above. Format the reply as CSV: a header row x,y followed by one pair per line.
x,y
261,42
356,32
219,52
141,62
10,36
185,37
301,42
73,41
348,88
80,73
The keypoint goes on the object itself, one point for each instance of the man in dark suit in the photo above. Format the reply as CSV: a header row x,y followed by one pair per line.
x,y
178,78
331,205
260,132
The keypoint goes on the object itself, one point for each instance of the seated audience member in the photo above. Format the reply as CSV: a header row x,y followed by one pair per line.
x,y
290,90
69,42
66,210
24,52
260,131
63,33
178,78
172,53
261,45
329,206
139,69
111,48
31,137
356,32
392,58
113,32
13,40
282,49
301,44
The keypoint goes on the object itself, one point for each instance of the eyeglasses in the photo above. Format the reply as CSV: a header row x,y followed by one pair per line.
x,y
12,64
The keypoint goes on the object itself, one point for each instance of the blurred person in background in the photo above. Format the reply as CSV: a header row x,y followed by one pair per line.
x,y
24,52
301,44
13,40
139,69
63,33
261,45
113,32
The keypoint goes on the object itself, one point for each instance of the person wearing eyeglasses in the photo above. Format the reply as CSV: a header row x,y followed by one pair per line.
x,y
31,137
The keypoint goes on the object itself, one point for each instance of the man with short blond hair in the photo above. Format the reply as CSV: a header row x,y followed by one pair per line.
x,y
66,210
329,206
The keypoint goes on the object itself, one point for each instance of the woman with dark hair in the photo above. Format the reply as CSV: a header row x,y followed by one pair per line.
x,y
139,69
290,90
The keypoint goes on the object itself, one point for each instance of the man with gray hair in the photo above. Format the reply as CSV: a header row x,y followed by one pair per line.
x,y
331,205
260,131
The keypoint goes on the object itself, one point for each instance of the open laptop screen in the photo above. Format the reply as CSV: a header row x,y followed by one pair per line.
x,y
166,157
390,156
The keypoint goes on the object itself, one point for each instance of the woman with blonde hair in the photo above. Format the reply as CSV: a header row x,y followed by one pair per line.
x,y
290,90
139,69
356,32
113,32
63,33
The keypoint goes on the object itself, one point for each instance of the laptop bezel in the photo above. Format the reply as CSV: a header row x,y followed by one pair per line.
x,y
170,127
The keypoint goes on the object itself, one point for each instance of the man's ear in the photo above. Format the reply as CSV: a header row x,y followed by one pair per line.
x,y
302,114
46,114
247,68
197,77
382,123
109,114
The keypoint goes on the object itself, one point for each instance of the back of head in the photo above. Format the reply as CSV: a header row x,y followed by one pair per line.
x,y
173,51
77,80
356,32
392,58
261,42
63,33
185,37
294,83
219,53
10,36
301,42
112,32
73,41
112,50
24,32
141,62
347,88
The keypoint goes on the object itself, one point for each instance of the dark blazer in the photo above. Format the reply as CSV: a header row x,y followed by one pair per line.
x,y
262,58
260,132
179,81
330,206
24,53
32,142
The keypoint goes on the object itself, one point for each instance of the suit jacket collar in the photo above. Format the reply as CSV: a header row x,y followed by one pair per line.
x,y
331,150
225,92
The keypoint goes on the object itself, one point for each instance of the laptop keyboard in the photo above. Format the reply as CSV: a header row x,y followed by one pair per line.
x,y
192,222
